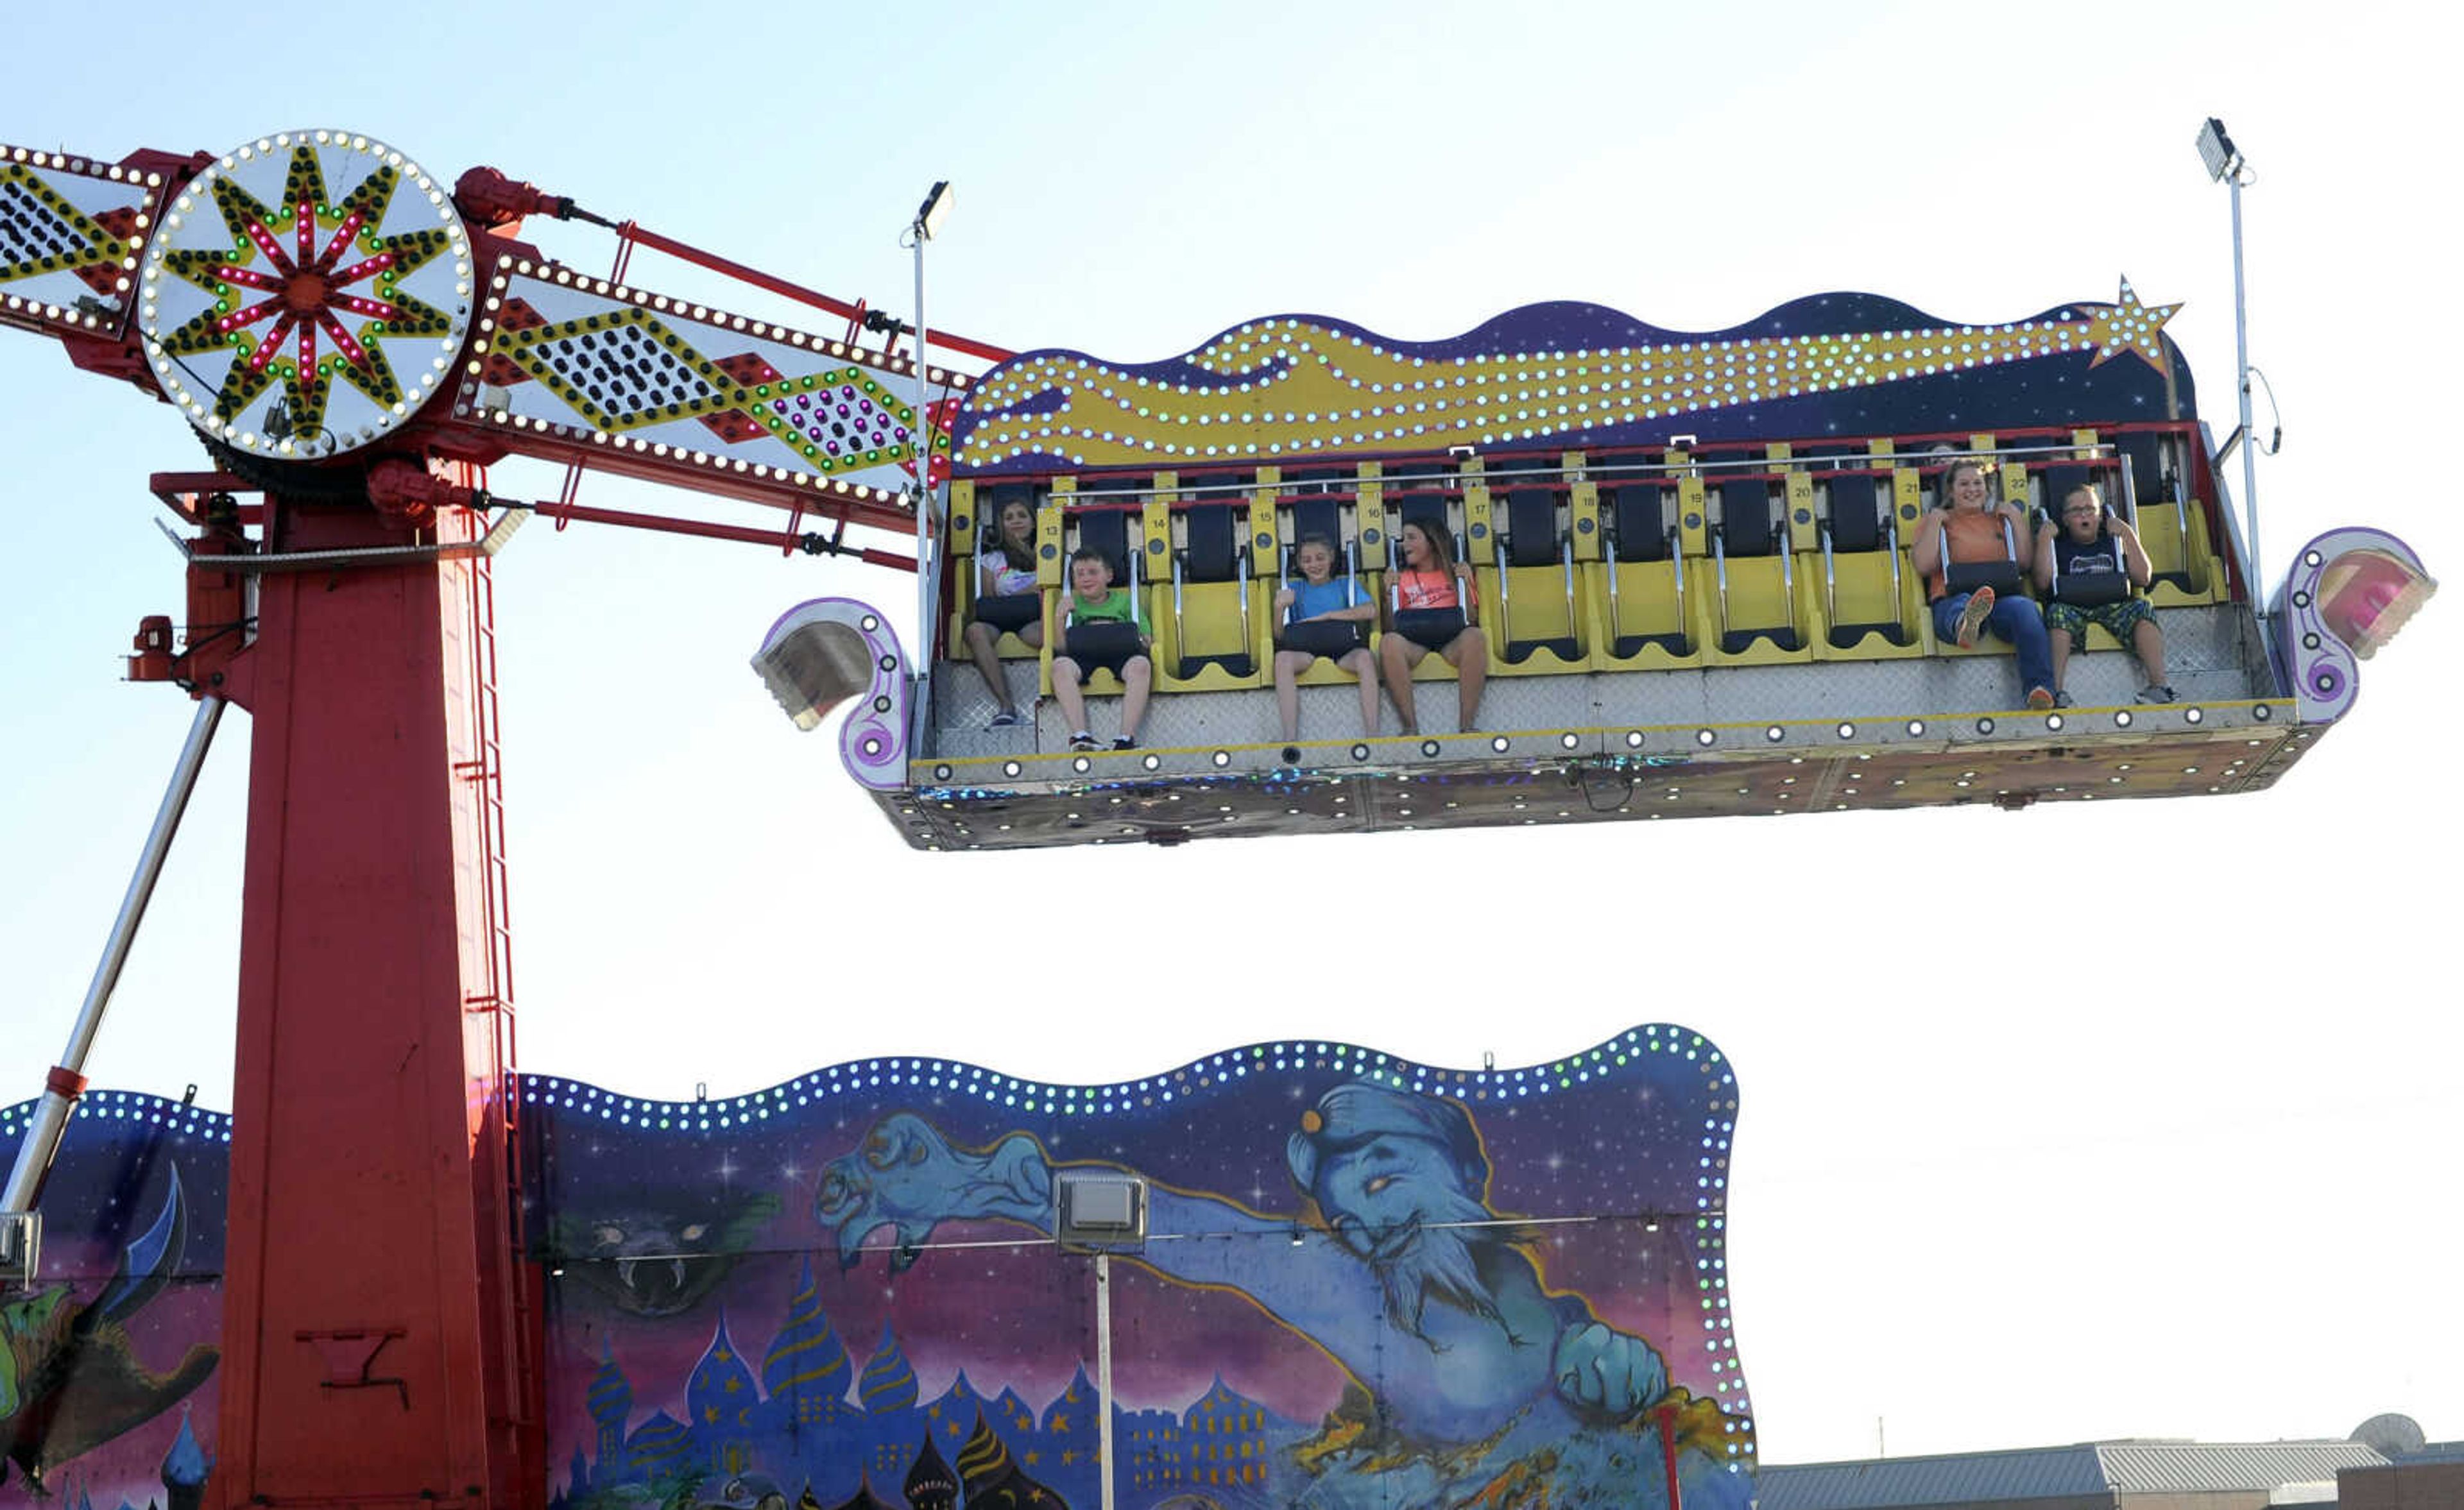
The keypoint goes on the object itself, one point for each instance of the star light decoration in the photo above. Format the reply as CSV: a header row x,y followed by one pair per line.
x,y
1292,385
275,312
2128,326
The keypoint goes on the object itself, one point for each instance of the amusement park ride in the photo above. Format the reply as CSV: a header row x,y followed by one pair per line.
x,y
1694,554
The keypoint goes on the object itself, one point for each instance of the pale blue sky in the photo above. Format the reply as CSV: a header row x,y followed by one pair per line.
x,y
2171,1153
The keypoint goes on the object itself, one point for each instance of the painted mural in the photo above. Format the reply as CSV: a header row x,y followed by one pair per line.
x,y
105,1367
1363,1281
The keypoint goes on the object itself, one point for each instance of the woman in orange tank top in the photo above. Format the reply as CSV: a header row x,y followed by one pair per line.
x,y
1969,529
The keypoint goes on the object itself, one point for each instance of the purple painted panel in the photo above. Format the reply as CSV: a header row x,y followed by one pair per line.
x,y
1363,1281
102,1363
1305,387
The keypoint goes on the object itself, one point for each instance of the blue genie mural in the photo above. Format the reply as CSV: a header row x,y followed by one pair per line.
x,y
1400,1240
1362,1282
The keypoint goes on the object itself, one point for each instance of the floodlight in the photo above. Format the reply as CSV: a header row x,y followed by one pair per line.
x,y
1099,1209
2215,149
936,208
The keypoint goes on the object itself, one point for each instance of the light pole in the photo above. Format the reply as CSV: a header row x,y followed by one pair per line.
x,y
2225,163
928,216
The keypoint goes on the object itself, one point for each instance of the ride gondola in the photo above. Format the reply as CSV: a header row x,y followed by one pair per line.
x,y
1694,552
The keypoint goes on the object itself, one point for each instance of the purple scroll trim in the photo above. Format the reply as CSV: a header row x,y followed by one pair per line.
x,y
873,740
2325,671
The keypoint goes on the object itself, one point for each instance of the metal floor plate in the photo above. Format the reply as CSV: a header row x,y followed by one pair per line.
x,y
1589,747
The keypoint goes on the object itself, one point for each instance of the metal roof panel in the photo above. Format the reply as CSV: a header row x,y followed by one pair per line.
x,y
2044,1473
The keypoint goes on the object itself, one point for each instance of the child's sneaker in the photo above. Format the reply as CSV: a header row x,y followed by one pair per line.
x,y
1124,742
1971,618
2040,698
2063,700
1082,742
1006,718
2160,693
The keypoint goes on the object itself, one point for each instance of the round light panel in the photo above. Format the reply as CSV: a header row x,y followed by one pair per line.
x,y
305,294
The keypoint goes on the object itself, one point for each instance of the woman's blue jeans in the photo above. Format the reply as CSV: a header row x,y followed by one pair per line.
x,y
2016,620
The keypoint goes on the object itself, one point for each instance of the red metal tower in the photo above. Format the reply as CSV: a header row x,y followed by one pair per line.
x,y
356,342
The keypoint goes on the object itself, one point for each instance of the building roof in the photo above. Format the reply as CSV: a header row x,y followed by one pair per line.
x,y
2041,1473
2177,1466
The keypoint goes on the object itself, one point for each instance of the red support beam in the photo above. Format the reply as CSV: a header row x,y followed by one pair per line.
x,y
797,291
859,505
787,540
370,1152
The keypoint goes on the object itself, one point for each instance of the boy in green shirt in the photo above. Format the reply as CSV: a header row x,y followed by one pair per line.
x,y
1103,628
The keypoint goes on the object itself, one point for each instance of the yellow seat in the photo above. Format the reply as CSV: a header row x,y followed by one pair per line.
x,y
1647,618
1530,591
1869,600
1753,576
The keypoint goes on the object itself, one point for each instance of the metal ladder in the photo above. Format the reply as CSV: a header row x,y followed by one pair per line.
x,y
485,771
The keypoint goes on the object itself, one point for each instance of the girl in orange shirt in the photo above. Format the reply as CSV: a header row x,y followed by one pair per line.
x,y
1437,607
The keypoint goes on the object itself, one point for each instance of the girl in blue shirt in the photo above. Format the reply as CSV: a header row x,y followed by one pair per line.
x,y
1343,612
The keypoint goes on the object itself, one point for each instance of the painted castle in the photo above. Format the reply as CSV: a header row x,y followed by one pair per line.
x,y
183,1471
809,1429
